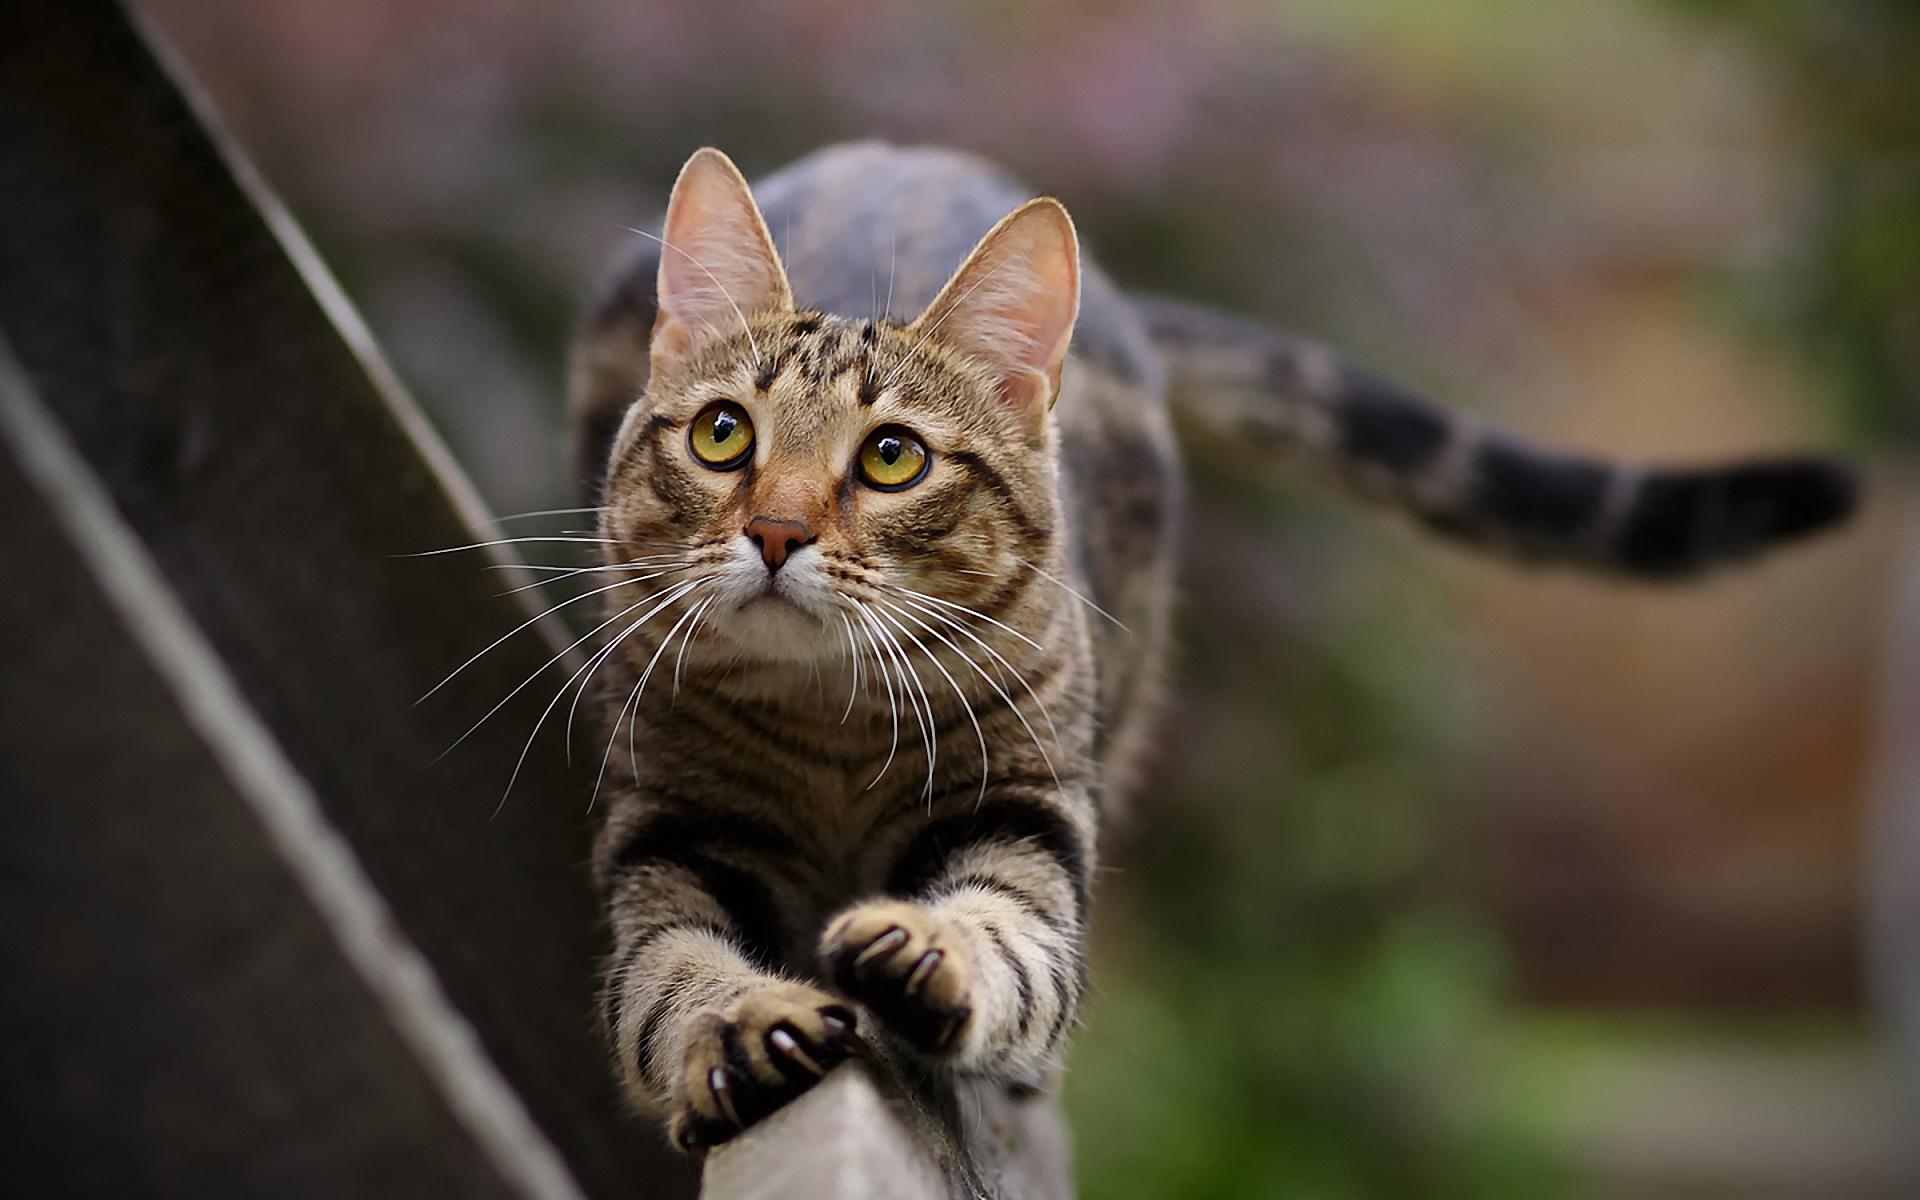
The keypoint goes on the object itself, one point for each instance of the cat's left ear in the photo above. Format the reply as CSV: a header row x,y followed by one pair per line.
x,y
717,263
1012,304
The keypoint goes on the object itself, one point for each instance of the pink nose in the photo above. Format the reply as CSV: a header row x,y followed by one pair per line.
x,y
778,539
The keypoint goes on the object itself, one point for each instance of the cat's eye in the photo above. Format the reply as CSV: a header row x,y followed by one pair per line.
x,y
892,459
721,437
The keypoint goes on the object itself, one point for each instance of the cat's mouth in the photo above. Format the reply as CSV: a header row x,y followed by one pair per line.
x,y
784,615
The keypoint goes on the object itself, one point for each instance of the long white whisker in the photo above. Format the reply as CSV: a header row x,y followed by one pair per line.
x,y
853,658
972,612
891,646
929,727
951,623
552,512
671,596
933,658
1076,595
573,572
693,631
634,700
538,673
584,675
529,623
999,690
886,679
512,541
748,329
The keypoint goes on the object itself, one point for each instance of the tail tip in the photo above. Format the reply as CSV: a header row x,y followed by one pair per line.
x,y
1684,522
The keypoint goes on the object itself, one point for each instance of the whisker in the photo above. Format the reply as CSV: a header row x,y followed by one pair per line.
x,y
965,703
972,612
1076,595
693,631
584,676
634,700
552,512
671,596
538,673
572,572
853,657
1000,691
886,679
748,329
529,623
512,541
950,622
643,560
929,727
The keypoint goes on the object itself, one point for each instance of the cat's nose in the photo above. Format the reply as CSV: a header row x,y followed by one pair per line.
x,y
778,539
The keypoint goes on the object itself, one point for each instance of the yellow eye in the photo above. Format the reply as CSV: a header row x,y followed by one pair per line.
x,y
892,459
721,436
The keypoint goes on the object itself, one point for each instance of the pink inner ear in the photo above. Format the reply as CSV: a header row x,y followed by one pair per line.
x,y
718,266
1013,304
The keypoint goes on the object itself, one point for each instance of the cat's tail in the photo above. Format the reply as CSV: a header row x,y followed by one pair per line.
x,y
1256,388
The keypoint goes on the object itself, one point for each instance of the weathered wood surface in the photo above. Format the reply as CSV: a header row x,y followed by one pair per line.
x,y
862,1135
194,1000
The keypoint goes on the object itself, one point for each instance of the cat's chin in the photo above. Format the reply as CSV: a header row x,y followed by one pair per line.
x,y
772,628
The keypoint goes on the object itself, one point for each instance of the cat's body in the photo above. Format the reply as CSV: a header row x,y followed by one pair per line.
x,y
882,717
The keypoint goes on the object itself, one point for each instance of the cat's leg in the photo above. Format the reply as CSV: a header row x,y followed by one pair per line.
x,y
977,958
702,1030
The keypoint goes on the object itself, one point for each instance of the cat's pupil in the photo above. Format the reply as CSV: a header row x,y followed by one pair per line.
x,y
723,427
889,450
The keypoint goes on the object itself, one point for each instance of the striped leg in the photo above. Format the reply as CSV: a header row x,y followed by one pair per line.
x,y
699,1026
980,959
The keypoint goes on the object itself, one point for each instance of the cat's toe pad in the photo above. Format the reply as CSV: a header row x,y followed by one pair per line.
x,y
753,1056
905,964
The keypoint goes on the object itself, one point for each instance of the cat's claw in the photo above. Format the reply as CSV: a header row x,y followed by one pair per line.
x,y
747,1060
902,962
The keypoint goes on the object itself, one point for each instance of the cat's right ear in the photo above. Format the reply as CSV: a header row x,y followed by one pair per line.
x,y
1012,305
717,263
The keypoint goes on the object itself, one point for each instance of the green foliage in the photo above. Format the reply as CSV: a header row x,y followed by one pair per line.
x,y
1293,1000
1853,289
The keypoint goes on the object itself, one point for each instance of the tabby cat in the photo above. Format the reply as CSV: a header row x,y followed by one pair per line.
x,y
888,549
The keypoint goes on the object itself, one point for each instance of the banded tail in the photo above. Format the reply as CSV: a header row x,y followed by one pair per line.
x,y
1232,377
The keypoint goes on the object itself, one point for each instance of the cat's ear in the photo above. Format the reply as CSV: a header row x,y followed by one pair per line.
x,y
717,264
1012,304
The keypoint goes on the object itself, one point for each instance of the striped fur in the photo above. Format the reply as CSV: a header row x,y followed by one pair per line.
x,y
1264,391
821,822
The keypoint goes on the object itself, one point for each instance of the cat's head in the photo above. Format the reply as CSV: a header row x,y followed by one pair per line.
x,y
815,483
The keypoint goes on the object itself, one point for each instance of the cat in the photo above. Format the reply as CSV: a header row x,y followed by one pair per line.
x,y
888,536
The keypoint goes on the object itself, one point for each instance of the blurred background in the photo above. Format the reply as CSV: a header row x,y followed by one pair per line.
x,y
1456,879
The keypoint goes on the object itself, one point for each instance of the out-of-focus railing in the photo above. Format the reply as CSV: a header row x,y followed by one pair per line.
x,y
1892,851
260,934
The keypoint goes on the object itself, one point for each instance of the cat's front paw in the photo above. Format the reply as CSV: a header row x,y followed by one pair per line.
x,y
905,964
753,1056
